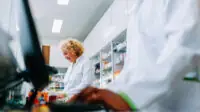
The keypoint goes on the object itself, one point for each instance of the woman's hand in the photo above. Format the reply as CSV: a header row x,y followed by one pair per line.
x,y
109,99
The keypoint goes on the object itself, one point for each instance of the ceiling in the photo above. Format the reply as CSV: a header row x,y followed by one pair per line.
x,y
79,17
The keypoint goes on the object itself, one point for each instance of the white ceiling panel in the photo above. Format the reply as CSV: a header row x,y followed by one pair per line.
x,y
79,17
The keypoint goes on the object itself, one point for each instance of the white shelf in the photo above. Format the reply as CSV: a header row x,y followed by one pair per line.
x,y
104,85
105,69
97,72
97,81
107,58
107,66
120,62
120,47
104,78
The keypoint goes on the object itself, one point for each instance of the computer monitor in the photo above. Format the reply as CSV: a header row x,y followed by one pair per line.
x,y
30,46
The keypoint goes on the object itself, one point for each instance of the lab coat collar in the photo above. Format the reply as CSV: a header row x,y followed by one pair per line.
x,y
78,59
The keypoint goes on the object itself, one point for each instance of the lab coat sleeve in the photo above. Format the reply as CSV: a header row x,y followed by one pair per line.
x,y
181,54
87,79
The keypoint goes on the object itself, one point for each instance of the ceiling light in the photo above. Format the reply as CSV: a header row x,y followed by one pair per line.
x,y
62,2
57,25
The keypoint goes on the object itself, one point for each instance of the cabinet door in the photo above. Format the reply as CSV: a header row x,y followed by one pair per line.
x,y
46,53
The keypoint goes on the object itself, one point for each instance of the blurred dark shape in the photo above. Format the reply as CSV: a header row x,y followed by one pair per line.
x,y
97,70
33,58
7,61
75,107
51,70
8,74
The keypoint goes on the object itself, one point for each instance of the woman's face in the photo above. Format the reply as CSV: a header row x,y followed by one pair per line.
x,y
70,56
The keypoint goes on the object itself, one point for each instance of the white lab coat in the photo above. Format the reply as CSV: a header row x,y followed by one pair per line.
x,y
79,75
163,45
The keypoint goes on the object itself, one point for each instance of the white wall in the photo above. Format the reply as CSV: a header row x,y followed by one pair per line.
x,y
56,57
49,41
5,14
114,21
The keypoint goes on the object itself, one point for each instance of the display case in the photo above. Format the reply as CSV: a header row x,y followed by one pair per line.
x,y
119,53
109,62
56,81
96,69
106,67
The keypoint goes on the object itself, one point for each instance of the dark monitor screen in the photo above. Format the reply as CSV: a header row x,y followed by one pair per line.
x,y
33,58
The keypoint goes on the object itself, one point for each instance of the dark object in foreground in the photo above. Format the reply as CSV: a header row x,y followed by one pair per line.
x,y
75,107
30,46
51,70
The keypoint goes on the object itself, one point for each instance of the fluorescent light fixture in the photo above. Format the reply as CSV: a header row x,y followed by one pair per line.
x,y
57,25
62,2
109,31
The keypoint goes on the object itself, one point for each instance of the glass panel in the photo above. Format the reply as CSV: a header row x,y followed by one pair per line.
x,y
96,68
119,53
106,64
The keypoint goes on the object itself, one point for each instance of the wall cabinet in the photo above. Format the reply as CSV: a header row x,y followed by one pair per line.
x,y
109,62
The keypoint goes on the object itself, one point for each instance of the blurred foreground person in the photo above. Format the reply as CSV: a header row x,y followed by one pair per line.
x,y
163,45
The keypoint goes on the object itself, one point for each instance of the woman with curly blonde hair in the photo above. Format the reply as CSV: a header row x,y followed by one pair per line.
x,y
79,74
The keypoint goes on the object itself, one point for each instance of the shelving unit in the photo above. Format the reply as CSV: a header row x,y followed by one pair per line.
x,y
109,62
119,53
56,81
106,65
96,68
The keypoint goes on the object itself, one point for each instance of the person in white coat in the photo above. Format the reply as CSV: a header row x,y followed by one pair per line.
x,y
79,74
163,45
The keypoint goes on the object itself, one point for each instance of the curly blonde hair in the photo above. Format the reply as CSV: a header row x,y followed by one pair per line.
x,y
72,45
